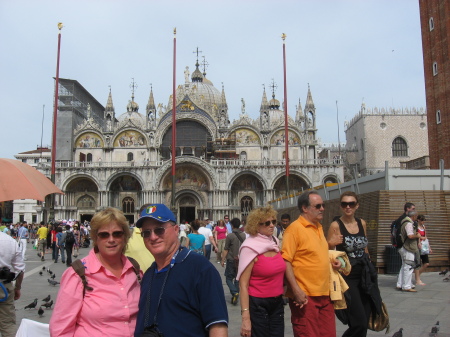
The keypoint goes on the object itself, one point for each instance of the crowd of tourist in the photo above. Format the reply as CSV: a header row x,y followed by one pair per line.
x,y
136,279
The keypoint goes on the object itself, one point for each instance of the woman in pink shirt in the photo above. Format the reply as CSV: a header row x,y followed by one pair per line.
x,y
110,308
261,274
220,234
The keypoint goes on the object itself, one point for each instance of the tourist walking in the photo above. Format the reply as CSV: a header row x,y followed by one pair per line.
x,y
261,274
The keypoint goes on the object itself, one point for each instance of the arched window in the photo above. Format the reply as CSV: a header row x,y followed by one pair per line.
x,y
89,157
243,155
128,205
438,117
435,68
246,206
431,22
130,156
399,147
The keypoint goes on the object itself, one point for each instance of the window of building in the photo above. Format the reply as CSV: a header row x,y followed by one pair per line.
x,y
243,155
24,160
246,206
435,68
36,160
21,217
33,218
128,205
130,156
431,22
399,147
89,157
362,148
438,117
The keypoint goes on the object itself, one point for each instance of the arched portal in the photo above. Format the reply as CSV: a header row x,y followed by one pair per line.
x,y
296,184
247,186
82,194
124,194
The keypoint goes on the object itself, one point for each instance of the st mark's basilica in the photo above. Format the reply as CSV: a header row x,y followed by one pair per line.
x,y
107,157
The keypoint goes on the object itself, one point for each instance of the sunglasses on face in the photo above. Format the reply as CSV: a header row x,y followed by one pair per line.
x,y
159,231
106,235
267,223
318,206
351,204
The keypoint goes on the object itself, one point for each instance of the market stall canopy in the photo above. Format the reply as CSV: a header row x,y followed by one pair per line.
x,y
22,181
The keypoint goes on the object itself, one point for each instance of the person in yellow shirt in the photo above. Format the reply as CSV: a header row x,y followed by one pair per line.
x,y
136,247
42,243
305,251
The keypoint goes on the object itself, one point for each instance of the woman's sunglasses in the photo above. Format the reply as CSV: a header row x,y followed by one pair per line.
x,y
351,204
267,223
159,231
106,235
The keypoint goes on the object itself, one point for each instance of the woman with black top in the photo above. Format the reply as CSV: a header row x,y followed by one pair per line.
x,y
348,233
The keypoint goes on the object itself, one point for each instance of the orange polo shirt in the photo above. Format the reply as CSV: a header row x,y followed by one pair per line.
x,y
306,248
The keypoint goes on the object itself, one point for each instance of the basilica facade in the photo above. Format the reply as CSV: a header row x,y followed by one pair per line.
x,y
109,158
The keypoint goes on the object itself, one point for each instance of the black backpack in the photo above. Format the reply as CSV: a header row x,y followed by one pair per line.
x,y
396,232
70,238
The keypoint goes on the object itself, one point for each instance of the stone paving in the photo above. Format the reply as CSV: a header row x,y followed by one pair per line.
x,y
416,313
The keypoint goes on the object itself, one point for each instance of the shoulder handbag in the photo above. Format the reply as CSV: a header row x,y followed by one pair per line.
x,y
425,248
379,322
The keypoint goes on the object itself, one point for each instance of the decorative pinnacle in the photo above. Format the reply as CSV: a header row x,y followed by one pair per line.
x,y
60,25
205,64
175,31
283,36
197,52
274,86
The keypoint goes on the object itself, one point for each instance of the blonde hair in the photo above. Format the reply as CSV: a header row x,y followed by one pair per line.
x,y
257,216
105,217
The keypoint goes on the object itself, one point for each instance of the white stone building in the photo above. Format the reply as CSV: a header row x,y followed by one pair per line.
x,y
375,136
124,160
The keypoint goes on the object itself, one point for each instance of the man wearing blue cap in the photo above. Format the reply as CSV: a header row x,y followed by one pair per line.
x,y
180,284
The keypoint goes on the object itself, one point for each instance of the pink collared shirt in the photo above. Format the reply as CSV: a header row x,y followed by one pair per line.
x,y
108,310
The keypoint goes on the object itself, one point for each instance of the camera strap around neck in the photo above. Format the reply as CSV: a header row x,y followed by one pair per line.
x,y
147,305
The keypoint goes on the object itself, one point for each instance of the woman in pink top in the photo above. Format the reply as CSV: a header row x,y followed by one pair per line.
x,y
111,307
220,234
261,274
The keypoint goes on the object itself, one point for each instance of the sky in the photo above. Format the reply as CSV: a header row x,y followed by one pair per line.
x,y
347,51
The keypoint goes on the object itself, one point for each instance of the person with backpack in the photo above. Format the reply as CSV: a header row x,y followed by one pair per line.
x,y
409,252
396,238
261,274
68,240
102,298
230,254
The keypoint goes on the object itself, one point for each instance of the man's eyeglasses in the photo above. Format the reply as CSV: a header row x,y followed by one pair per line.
x,y
267,223
318,206
351,204
159,231
106,235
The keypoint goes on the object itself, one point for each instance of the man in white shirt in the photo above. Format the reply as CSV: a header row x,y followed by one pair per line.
x,y
209,239
10,258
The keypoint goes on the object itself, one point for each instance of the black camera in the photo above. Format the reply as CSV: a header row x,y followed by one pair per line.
x,y
5,275
152,331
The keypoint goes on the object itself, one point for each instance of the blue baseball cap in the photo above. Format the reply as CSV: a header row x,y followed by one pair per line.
x,y
159,212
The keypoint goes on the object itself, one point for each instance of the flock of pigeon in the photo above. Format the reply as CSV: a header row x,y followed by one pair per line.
x,y
47,303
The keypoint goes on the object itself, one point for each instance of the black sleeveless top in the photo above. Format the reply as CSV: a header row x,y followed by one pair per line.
x,y
353,244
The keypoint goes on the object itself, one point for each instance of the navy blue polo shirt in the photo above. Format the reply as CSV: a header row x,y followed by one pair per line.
x,y
193,298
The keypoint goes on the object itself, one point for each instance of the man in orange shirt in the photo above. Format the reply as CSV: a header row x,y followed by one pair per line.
x,y
305,250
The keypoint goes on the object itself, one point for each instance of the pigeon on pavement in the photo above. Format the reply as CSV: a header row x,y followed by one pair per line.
x,y
32,305
48,304
40,312
46,299
444,272
53,283
40,273
399,333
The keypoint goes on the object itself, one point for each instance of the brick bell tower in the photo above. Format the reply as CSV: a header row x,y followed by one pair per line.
x,y
435,26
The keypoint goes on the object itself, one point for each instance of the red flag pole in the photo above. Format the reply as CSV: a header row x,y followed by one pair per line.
x,y
55,118
286,130
174,121
55,106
